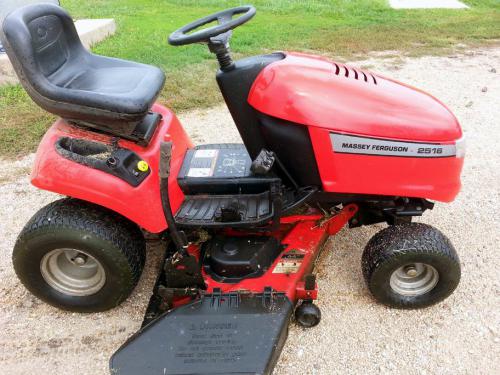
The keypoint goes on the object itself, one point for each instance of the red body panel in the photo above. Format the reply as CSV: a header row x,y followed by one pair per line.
x,y
431,178
306,90
140,204
330,97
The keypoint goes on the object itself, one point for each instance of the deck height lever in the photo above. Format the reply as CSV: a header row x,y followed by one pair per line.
x,y
178,237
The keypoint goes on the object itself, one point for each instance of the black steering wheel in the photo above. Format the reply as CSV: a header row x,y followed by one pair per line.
x,y
224,18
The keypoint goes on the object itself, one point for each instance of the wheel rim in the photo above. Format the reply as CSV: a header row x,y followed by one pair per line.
x,y
73,272
414,279
308,319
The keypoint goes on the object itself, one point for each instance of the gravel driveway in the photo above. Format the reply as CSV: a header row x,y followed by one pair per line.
x,y
356,335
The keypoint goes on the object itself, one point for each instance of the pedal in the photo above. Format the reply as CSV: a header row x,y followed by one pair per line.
x,y
263,162
229,214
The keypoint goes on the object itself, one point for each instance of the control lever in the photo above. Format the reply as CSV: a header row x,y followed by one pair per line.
x,y
263,162
179,237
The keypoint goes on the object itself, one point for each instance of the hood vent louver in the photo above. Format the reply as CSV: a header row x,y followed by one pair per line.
x,y
357,74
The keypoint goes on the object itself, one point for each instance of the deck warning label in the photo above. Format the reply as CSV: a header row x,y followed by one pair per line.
x,y
290,262
211,343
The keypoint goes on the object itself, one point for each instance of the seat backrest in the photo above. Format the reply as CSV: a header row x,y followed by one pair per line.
x,y
39,40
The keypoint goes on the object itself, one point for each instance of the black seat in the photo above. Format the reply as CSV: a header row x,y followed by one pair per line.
x,y
63,78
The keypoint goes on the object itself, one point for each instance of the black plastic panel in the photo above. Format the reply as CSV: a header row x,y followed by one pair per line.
x,y
235,86
217,334
292,144
221,169
144,131
209,210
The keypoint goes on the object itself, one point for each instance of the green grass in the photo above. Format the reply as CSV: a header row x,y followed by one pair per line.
x,y
339,28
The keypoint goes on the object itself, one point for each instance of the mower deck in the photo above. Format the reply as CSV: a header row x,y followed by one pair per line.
x,y
229,325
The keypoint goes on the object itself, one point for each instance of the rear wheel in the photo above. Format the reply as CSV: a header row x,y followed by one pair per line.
x,y
410,266
79,256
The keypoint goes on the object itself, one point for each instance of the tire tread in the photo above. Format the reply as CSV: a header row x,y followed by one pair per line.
x,y
394,242
78,215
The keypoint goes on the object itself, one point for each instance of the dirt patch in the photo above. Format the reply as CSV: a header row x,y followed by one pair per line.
x,y
356,335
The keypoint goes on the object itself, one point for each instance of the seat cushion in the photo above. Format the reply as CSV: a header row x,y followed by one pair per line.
x,y
110,84
64,78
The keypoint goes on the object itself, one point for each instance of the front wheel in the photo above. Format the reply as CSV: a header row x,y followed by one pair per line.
x,y
410,266
78,256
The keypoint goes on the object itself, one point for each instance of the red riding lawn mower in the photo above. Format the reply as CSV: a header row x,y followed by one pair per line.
x,y
325,145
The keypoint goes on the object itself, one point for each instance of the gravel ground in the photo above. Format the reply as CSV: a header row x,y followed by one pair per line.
x,y
356,335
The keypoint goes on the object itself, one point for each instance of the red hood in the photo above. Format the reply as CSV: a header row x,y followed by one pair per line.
x,y
314,91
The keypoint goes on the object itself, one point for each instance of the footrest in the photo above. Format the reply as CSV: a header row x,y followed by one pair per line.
x,y
216,334
225,210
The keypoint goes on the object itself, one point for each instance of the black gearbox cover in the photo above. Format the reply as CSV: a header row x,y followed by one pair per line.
x,y
230,259
216,334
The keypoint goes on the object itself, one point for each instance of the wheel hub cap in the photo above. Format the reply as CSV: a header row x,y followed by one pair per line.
x,y
72,272
414,279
